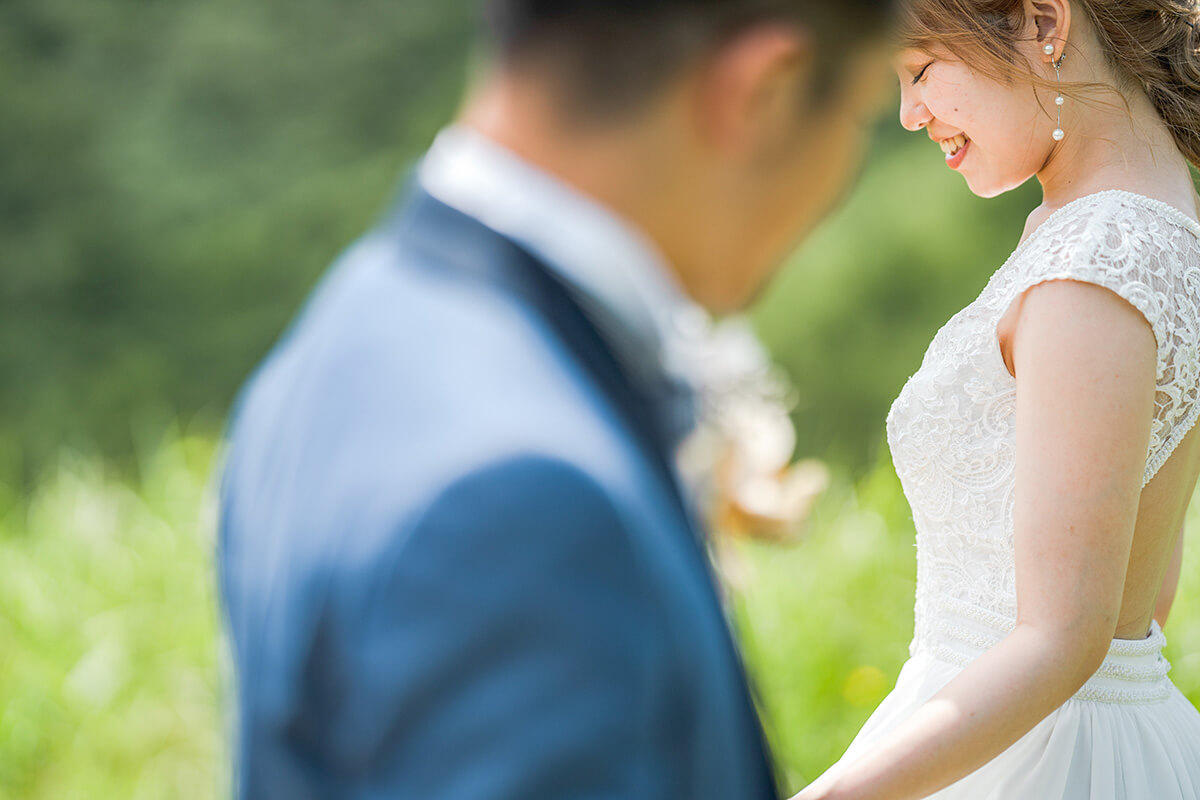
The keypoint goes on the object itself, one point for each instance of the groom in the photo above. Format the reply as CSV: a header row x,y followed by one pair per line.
x,y
455,557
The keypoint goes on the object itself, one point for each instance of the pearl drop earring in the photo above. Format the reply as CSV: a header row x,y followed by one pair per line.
x,y
1059,134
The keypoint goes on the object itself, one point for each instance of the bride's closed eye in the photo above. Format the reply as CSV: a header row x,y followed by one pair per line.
x,y
921,74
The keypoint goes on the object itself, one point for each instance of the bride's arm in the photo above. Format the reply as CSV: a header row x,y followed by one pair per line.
x,y
1085,366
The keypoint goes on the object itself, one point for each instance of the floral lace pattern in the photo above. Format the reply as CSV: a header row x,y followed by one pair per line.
x,y
952,430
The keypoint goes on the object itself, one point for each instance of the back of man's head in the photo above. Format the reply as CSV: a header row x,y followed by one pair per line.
x,y
610,56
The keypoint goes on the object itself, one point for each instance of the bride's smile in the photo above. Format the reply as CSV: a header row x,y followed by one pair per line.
x,y
996,134
955,149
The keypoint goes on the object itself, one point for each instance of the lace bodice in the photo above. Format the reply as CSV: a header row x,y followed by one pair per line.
x,y
952,428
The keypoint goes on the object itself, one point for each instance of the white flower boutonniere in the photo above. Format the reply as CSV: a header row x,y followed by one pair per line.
x,y
738,461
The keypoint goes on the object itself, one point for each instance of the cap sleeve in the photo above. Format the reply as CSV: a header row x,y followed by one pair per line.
x,y
1151,261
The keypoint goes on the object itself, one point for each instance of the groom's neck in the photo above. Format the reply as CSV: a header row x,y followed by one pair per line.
x,y
635,167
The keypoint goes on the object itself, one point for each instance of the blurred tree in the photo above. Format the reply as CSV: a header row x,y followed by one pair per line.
x,y
174,176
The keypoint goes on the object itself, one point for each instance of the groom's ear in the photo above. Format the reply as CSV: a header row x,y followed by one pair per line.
x,y
753,86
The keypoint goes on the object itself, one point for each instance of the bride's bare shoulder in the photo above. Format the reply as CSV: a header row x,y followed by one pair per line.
x,y
1036,218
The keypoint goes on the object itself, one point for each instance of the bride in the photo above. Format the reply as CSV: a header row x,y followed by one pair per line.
x,y
1047,442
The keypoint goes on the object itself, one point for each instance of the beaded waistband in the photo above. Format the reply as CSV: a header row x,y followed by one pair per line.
x,y
1134,671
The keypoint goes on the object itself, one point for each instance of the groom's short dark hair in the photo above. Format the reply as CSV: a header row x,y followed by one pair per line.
x,y
613,53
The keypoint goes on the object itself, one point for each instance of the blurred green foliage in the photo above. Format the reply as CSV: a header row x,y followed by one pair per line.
x,y
108,647
173,178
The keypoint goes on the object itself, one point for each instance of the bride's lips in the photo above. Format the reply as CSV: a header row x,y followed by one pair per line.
x,y
953,161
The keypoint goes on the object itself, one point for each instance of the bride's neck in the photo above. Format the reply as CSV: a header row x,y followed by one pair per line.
x,y
1109,148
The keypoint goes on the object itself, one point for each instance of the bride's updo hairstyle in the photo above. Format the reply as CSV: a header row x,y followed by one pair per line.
x,y
1153,45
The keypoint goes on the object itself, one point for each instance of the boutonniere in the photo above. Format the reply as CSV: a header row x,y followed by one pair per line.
x,y
738,460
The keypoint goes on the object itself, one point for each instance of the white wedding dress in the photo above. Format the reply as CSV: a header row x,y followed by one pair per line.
x,y
1128,734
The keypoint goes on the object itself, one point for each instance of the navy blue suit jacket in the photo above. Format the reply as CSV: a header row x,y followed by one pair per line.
x,y
454,562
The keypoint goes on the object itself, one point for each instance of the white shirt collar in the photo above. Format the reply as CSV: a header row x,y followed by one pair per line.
x,y
614,270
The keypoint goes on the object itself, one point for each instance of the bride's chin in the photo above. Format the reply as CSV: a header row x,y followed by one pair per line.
x,y
986,193
987,188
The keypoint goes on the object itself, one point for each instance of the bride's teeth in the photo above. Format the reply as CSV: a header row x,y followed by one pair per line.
x,y
952,145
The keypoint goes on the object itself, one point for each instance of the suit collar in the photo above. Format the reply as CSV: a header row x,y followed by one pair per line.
x,y
611,268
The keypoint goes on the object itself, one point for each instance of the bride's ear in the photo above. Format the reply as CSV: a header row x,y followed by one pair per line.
x,y
1050,21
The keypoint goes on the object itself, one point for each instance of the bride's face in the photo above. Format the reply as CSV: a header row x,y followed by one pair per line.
x,y
996,135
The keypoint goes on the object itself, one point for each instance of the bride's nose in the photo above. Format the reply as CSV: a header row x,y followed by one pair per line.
x,y
914,114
